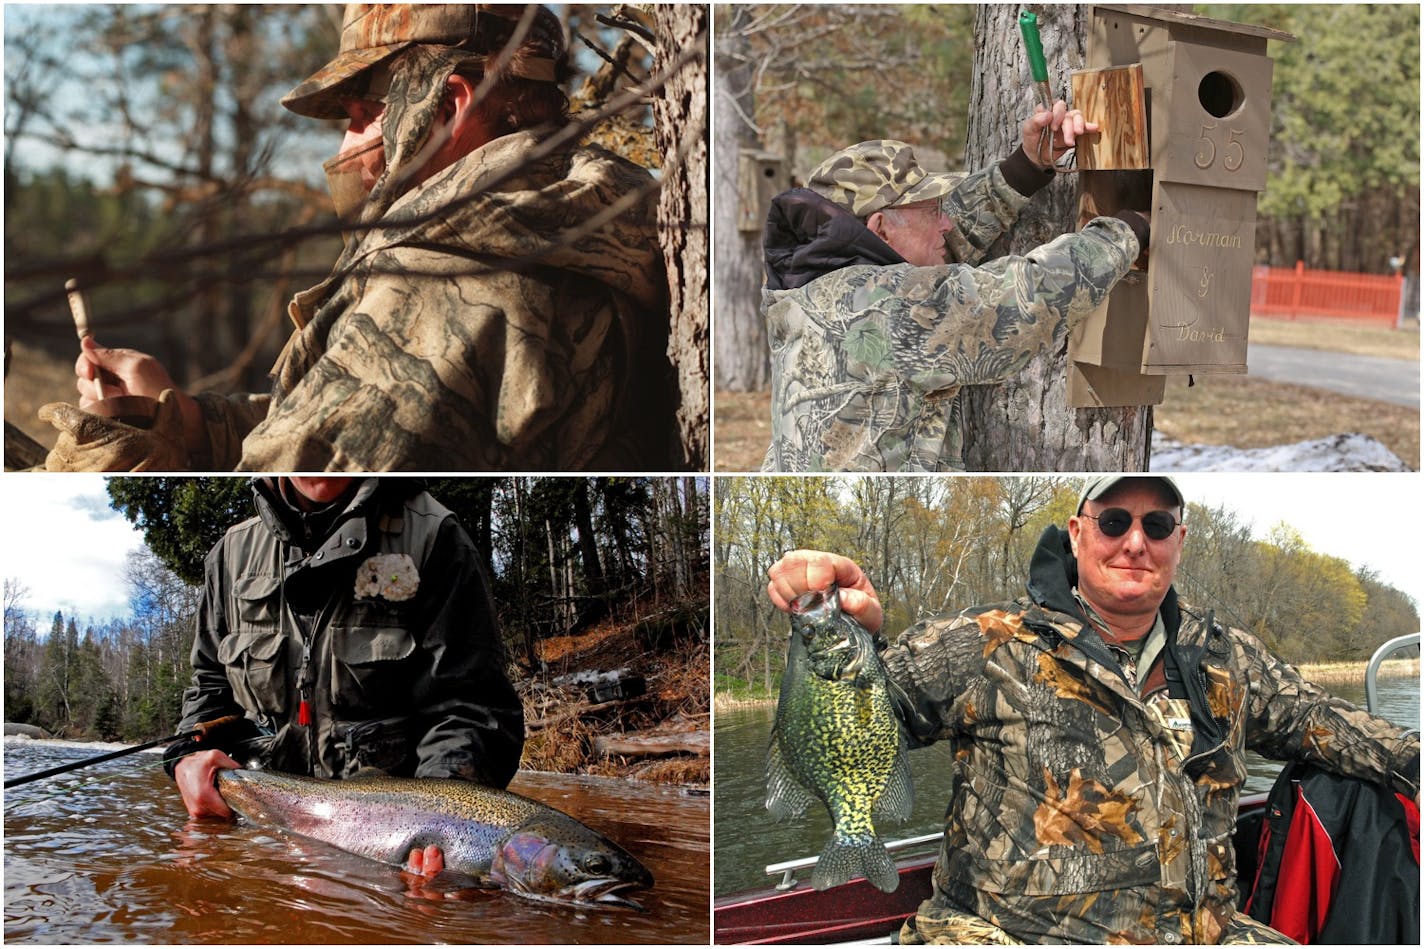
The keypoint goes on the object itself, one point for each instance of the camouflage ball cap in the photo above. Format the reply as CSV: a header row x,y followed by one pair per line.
x,y
373,32
871,176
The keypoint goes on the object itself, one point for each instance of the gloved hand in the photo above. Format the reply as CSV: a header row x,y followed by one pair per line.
x,y
89,442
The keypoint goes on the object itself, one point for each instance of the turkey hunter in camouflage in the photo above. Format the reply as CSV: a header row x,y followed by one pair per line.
x,y
1095,788
500,303
869,350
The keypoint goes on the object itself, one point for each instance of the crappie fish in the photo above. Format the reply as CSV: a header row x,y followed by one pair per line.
x,y
496,838
836,737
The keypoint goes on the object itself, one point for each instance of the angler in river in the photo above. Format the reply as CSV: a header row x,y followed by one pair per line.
x,y
349,624
1100,727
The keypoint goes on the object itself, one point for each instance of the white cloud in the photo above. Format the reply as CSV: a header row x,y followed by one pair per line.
x,y
65,545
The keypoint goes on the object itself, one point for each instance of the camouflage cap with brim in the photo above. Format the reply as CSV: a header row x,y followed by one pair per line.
x,y
373,32
872,176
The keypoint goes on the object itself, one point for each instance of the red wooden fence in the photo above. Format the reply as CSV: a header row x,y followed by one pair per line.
x,y
1297,292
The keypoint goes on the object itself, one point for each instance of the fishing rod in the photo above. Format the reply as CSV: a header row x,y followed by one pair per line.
x,y
197,732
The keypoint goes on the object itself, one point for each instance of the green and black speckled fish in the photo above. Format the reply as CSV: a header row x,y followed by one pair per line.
x,y
836,737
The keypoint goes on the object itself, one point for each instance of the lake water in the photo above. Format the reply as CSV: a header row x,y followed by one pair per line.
x,y
748,839
108,854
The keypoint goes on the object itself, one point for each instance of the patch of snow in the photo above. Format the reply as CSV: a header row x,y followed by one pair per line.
x,y
1350,451
581,679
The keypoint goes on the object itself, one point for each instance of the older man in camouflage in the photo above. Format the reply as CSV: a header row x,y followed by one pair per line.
x,y
1100,728
880,304
500,302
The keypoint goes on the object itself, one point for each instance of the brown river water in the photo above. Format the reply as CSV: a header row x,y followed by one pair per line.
x,y
107,854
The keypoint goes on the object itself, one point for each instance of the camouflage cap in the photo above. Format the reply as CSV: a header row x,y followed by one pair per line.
x,y
1095,488
373,32
868,177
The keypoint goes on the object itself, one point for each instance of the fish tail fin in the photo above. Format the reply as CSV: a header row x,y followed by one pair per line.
x,y
846,858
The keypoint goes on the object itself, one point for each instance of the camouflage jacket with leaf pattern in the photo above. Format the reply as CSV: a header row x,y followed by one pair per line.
x,y
867,360
1082,811
510,313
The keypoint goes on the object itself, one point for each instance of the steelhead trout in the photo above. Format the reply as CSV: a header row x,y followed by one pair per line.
x,y
496,838
836,737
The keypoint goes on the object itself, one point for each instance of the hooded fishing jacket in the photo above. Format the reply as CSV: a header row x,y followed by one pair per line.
x,y
868,352
489,321
401,669
1088,809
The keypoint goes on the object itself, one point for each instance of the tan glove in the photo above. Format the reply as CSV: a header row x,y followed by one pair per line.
x,y
89,442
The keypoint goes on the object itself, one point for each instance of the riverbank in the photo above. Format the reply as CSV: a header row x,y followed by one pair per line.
x,y
1321,673
1345,673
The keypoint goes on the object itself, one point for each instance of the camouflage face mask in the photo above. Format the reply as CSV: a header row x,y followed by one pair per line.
x,y
346,183
410,126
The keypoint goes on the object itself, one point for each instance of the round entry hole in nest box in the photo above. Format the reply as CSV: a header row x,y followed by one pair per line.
x,y
1220,94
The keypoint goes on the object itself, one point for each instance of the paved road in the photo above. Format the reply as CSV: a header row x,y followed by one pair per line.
x,y
1365,377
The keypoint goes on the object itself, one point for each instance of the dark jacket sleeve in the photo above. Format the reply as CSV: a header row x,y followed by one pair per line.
x,y
209,694
471,719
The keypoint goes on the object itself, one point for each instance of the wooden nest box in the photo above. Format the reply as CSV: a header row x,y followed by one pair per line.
x,y
1185,108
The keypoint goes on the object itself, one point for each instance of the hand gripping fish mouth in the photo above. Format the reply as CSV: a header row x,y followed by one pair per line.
x,y
836,739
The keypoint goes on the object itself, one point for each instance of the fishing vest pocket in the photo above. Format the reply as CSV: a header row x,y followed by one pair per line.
x,y
369,673
259,602
255,661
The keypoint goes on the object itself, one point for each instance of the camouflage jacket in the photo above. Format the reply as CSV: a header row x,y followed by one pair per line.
x,y
1087,809
868,358
489,322
399,684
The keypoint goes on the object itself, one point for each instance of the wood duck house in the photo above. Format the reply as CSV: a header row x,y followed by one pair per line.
x,y
1184,105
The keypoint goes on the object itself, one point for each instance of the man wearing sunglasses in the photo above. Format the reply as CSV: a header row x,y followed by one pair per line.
x,y
882,302
1100,728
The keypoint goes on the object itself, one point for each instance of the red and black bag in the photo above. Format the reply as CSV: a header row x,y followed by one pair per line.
x,y
1339,861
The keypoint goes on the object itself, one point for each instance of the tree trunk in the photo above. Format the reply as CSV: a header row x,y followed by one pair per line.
x,y
1025,424
588,541
743,358
680,117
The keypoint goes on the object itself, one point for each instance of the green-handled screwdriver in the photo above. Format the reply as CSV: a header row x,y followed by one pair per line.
x,y
1038,67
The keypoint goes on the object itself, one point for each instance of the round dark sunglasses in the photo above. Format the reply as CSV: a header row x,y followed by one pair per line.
x,y
1115,521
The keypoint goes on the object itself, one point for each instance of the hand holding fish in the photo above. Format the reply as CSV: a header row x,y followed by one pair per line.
x,y
802,571
196,775
836,737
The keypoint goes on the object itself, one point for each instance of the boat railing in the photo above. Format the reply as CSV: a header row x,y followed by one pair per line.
x,y
787,868
1386,648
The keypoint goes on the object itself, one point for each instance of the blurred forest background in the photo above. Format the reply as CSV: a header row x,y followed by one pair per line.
x,y
587,573
800,82
934,545
147,156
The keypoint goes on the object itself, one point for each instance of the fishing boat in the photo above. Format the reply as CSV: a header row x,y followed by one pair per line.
x,y
790,912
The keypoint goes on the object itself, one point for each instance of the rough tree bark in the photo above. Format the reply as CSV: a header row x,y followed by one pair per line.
x,y
1025,424
743,359
680,117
